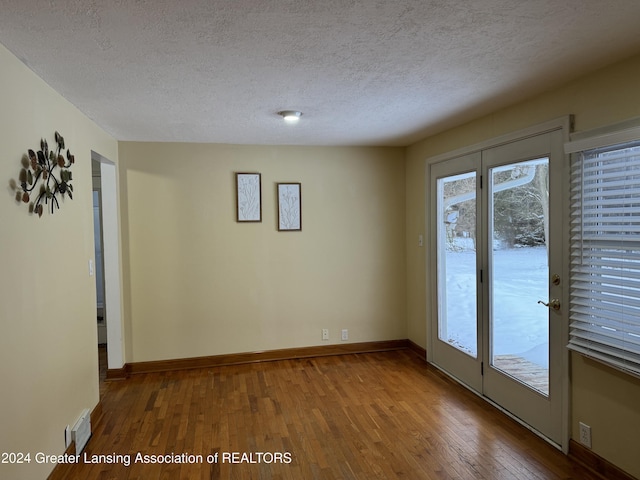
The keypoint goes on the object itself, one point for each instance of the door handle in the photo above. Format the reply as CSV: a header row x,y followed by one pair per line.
x,y
553,303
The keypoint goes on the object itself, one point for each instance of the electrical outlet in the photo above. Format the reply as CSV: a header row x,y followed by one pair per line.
x,y
345,334
325,334
585,435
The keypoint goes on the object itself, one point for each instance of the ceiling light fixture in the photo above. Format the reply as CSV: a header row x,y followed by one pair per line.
x,y
290,116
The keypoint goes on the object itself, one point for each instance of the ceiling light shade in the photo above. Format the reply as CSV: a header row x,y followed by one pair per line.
x,y
290,116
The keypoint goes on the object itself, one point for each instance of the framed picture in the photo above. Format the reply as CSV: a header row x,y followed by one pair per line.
x,y
249,197
289,206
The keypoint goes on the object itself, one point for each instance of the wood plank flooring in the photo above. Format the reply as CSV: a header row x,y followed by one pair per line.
x,y
366,416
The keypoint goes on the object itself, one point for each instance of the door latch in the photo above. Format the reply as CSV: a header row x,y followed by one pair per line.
x,y
553,303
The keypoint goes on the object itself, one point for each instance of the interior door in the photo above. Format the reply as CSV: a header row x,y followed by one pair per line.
x,y
498,255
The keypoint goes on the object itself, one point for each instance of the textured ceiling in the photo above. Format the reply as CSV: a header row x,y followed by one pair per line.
x,y
364,72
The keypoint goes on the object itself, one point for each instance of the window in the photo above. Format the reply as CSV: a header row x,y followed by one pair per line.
x,y
605,255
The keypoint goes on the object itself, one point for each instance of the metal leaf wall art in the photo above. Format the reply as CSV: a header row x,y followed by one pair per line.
x,y
45,177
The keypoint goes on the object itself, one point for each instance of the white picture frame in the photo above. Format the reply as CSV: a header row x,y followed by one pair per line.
x,y
289,207
248,197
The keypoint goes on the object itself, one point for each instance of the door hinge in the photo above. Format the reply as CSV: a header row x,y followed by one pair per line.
x,y
481,275
480,181
481,368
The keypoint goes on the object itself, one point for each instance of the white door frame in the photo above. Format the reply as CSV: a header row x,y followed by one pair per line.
x,y
111,258
565,124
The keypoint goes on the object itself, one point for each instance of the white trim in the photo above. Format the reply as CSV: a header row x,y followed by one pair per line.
x,y
564,123
623,132
605,140
566,271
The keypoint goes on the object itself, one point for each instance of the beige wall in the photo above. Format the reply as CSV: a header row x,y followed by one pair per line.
x,y
198,283
48,347
601,397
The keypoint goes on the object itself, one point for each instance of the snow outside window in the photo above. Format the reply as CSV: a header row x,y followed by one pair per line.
x,y
605,255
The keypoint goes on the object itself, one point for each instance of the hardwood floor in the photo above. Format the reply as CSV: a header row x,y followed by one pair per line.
x,y
381,415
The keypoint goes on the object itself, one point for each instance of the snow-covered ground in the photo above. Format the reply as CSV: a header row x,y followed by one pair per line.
x,y
519,279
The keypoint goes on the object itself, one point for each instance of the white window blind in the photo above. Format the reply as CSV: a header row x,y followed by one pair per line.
x,y
605,255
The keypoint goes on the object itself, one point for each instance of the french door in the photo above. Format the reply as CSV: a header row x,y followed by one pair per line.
x,y
496,232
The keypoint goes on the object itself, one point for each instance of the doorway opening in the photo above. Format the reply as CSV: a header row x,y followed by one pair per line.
x,y
108,255
101,312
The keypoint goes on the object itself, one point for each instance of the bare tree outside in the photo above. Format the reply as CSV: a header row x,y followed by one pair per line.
x,y
521,206
521,201
460,212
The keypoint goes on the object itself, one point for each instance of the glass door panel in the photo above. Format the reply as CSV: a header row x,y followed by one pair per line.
x,y
519,272
457,262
